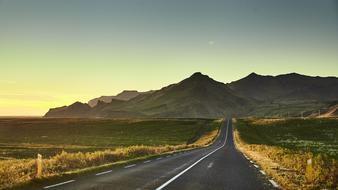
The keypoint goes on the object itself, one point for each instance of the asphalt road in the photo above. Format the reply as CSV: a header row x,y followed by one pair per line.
x,y
219,166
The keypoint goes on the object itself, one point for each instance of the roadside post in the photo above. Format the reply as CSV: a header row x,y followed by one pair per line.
x,y
38,166
309,173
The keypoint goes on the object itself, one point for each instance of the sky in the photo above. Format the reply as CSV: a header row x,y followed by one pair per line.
x,y
56,52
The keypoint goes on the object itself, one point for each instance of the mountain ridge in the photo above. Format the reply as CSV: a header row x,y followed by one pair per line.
x,y
125,95
201,96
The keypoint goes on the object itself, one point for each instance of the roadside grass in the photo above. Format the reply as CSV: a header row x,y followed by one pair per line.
x,y
159,137
313,135
36,183
282,149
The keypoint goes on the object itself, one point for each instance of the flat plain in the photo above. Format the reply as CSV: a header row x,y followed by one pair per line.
x,y
25,137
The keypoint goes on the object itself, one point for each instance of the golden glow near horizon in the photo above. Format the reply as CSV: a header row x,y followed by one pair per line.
x,y
32,91
51,56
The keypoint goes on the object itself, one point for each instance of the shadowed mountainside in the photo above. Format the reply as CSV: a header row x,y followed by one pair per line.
x,y
201,96
287,95
287,87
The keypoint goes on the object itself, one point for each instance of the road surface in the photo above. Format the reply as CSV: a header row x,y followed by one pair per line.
x,y
219,166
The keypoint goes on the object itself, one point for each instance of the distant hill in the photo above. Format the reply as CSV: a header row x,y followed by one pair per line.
x,y
125,95
201,96
77,109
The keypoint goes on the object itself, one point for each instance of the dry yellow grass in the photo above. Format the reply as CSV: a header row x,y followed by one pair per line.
x,y
267,121
19,171
207,139
289,168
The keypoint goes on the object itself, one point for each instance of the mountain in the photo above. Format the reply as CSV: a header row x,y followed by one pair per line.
x,y
77,109
287,95
201,96
125,95
196,96
287,87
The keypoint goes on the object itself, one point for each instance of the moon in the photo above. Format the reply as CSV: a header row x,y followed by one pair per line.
x,y
211,43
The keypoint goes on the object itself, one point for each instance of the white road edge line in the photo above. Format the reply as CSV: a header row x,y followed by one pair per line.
x,y
147,161
262,172
58,184
182,172
159,158
130,166
101,173
273,183
256,166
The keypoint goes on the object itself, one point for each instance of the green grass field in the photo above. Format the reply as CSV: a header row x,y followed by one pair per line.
x,y
312,135
25,137
78,145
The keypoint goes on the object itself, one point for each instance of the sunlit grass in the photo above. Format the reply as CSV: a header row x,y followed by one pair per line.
x,y
265,142
18,171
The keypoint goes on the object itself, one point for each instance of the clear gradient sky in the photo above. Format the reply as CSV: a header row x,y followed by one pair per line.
x,y
55,52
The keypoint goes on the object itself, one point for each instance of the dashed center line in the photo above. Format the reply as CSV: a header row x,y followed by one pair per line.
x,y
101,173
130,166
58,184
210,165
195,163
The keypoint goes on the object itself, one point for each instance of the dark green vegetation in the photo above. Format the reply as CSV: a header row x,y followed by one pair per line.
x,y
199,96
25,137
319,136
